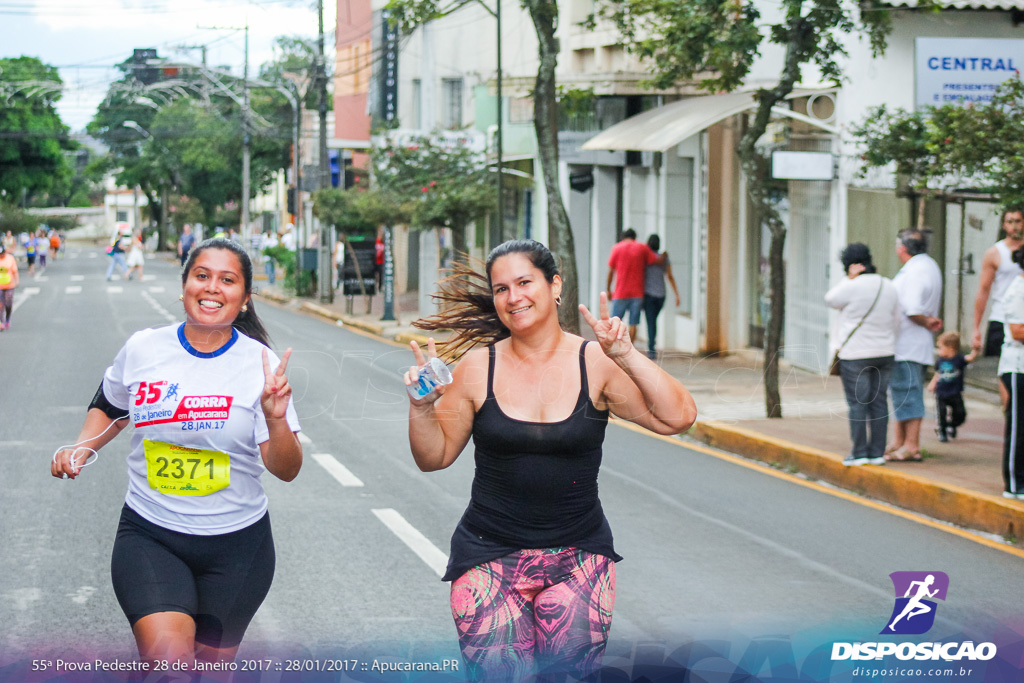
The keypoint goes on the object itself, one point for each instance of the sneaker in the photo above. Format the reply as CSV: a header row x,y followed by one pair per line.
x,y
1013,496
943,438
952,432
851,461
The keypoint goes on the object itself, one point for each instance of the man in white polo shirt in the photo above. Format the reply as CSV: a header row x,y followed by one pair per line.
x,y
919,288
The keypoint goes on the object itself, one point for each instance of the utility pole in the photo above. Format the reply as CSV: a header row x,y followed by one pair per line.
x,y
246,140
501,185
205,84
326,285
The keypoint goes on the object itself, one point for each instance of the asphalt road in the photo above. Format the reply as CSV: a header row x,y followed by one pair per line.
x,y
719,555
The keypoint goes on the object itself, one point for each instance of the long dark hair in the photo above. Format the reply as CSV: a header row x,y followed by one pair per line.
x,y
247,322
467,303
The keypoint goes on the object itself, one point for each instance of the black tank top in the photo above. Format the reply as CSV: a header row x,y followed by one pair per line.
x,y
535,484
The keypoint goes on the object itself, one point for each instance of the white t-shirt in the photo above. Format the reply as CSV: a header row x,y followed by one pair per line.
x,y
876,337
177,395
288,240
1012,357
919,286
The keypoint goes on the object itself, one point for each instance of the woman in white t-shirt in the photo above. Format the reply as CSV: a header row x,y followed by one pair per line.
x,y
1011,373
866,339
194,554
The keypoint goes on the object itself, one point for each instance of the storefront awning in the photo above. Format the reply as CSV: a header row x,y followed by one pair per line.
x,y
666,126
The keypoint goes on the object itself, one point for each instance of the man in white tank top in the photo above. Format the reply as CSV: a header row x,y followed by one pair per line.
x,y
997,272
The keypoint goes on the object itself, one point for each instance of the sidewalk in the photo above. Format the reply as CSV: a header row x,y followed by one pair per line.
x,y
958,482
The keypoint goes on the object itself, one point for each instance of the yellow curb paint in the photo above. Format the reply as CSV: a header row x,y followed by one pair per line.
x,y
763,468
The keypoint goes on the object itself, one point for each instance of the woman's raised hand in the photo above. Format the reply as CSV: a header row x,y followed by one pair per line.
x,y
67,463
412,375
276,390
612,333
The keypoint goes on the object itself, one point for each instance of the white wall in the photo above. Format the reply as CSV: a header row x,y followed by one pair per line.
x,y
889,80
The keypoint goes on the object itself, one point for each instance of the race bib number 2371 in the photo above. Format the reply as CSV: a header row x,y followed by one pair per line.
x,y
178,471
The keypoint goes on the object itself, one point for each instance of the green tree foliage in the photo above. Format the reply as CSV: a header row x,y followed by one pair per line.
x,y
33,138
445,186
294,65
715,43
409,14
935,149
186,135
341,208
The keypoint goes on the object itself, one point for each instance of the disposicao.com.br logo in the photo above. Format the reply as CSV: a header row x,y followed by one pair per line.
x,y
914,614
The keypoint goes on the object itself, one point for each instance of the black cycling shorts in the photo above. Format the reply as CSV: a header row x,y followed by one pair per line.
x,y
220,581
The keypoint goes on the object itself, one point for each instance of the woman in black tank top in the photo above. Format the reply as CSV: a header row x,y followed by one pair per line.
x,y
532,559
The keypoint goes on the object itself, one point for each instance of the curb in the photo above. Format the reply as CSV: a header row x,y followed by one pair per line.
x,y
372,328
946,502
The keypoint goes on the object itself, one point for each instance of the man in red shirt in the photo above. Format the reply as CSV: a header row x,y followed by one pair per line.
x,y
629,259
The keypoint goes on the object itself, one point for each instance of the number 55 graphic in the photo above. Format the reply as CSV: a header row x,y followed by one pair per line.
x,y
149,392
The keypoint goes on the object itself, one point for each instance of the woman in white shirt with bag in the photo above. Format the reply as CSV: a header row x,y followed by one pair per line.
x,y
865,339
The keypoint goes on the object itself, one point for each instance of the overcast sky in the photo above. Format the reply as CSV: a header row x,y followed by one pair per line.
x,y
86,38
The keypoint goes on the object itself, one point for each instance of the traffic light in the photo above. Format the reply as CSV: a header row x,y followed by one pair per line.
x,y
350,174
140,65
334,156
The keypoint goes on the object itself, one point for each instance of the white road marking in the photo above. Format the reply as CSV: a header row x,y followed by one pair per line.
x,y
41,278
158,307
417,542
156,290
77,278
148,278
93,254
337,470
304,440
24,598
114,289
72,289
82,595
21,295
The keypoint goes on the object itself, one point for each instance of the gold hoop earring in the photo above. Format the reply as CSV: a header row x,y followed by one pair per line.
x,y
181,297
245,308
558,300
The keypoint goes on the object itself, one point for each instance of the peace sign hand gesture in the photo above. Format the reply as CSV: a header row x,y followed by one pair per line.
x,y
412,375
276,390
612,333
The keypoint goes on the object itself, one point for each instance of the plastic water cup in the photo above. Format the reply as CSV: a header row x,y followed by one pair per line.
x,y
432,375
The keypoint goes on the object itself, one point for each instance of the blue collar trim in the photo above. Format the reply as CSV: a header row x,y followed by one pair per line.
x,y
199,354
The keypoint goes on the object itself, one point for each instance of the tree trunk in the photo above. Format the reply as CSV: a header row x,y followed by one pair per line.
x,y
459,249
544,14
161,233
776,316
755,167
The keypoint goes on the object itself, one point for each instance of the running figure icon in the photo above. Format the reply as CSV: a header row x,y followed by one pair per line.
x,y
914,606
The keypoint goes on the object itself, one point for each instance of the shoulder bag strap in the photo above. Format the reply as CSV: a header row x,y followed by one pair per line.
x,y
881,283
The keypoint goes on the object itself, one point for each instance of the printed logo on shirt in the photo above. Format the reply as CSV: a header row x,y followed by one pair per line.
x,y
194,412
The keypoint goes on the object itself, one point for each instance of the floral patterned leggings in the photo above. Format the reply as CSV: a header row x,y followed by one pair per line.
x,y
547,609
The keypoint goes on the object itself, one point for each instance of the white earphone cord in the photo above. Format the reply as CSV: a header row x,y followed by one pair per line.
x,y
89,459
